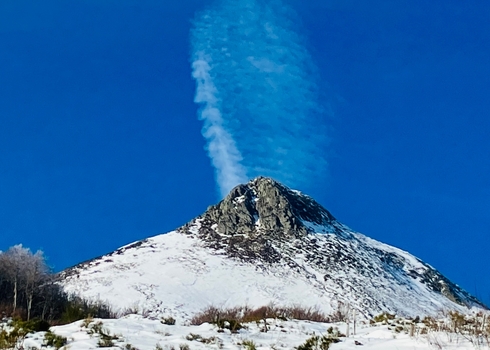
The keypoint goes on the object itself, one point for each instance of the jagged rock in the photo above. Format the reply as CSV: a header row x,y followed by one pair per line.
x,y
271,242
260,219
253,214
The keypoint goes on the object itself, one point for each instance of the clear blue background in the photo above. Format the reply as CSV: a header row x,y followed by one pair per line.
x,y
100,144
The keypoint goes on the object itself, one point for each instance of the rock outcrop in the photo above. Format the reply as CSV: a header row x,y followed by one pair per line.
x,y
264,220
265,243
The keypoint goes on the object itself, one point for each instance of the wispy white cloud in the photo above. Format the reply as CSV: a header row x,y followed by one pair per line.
x,y
268,102
221,146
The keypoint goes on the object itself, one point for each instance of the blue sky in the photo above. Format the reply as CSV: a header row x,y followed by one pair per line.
x,y
101,143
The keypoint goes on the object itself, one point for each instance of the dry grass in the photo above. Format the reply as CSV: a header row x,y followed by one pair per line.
x,y
245,314
304,313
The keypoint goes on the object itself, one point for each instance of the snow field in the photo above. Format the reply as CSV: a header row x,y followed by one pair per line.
x,y
137,332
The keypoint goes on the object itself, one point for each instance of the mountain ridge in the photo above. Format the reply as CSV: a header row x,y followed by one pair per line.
x,y
280,241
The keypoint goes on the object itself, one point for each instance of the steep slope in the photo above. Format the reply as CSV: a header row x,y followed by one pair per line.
x,y
265,243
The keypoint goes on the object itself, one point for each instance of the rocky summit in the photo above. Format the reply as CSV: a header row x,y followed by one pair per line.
x,y
265,243
256,217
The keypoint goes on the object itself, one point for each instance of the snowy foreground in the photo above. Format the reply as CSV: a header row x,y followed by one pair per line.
x,y
135,332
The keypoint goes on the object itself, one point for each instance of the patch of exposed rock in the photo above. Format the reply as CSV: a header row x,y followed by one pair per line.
x,y
255,217
265,221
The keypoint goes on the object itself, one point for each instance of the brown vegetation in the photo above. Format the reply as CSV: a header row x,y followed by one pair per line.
x,y
244,314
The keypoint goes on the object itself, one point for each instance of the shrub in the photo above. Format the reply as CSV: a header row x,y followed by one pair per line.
x,y
232,324
87,321
34,325
237,315
223,318
383,318
341,312
130,347
10,340
51,339
78,309
249,345
399,329
334,332
318,343
105,337
18,330
201,339
193,336
431,323
95,328
105,343
208,315
298,312
168,321
253,315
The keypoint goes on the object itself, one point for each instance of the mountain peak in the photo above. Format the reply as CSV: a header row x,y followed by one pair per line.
x,y
265,243
256,215
275,197
266,207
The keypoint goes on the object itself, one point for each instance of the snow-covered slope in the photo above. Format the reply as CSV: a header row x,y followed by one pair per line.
x,y
265,243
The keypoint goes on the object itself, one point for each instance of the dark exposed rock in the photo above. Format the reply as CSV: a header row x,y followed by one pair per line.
x,y
283,232
257,214
265,221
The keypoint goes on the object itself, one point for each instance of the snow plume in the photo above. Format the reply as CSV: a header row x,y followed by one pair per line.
x,y
221,146
257,84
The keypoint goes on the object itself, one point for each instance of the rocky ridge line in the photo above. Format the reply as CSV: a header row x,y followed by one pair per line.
x,y
265,221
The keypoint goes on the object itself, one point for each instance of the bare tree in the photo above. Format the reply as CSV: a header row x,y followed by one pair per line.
x,y
341,312
35,274
12,265
24,273
51,296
